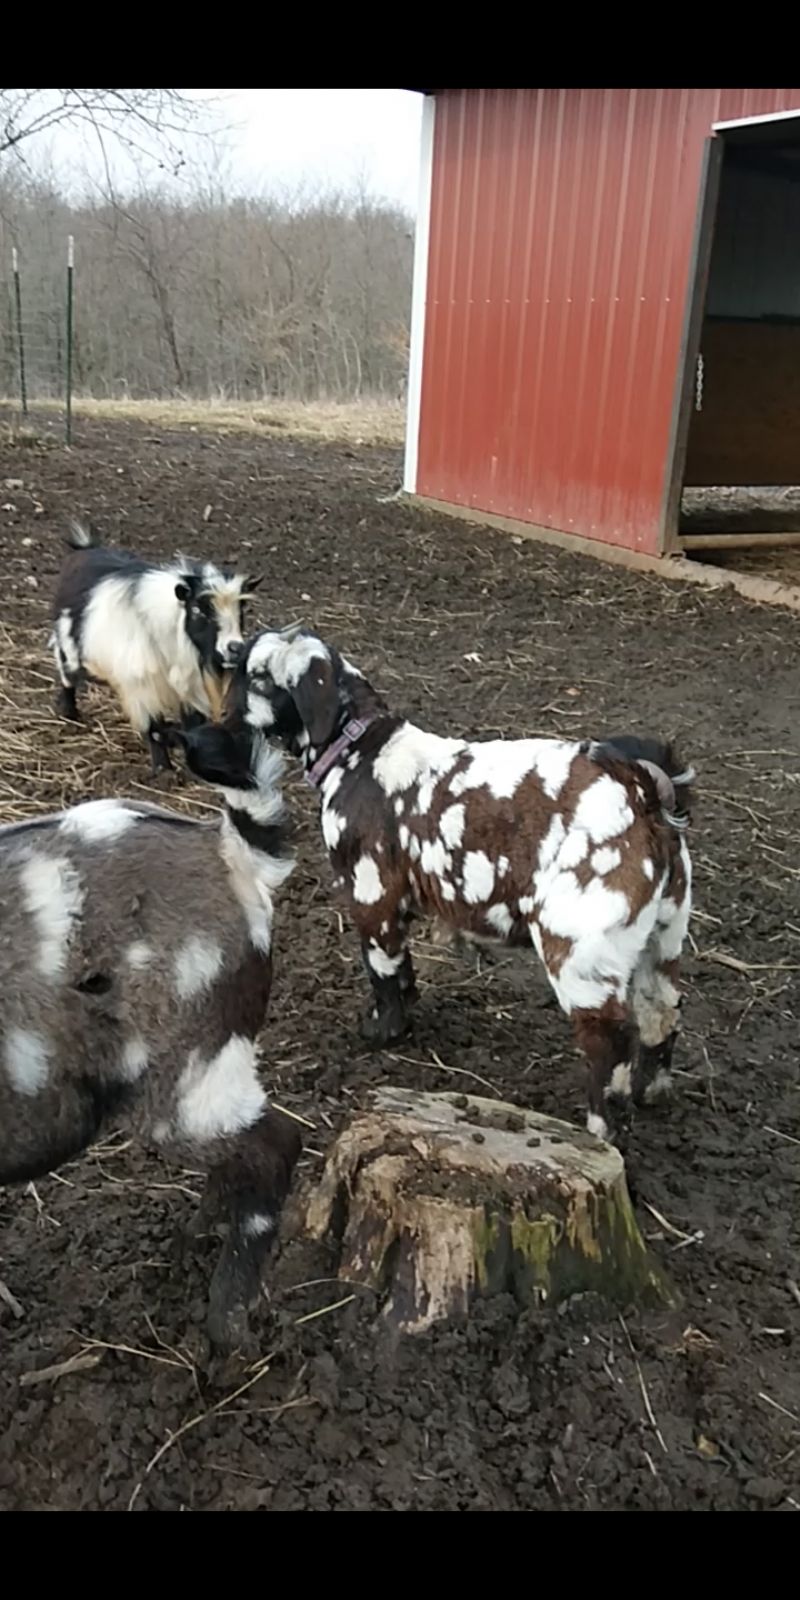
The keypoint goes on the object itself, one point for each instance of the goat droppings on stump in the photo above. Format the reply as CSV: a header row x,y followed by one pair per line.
x,y
426,1215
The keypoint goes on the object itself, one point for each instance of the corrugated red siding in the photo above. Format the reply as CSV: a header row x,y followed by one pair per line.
x,y
561,233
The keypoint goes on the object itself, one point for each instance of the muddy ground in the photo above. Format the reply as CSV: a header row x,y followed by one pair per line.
x,y
696,1409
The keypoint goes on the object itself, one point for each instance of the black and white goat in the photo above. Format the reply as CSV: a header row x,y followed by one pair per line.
x,y
163,637
577,848
135,971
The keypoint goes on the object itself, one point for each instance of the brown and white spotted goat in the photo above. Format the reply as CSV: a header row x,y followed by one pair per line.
x,y
135,971
576,848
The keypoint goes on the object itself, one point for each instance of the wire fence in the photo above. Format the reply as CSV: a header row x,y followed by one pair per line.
x,y
208,299
36,339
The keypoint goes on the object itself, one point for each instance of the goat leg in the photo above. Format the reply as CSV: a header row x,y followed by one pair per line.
x,y
657,1006
652,1072
394,987
606,1038
158,743
250,1185
66,703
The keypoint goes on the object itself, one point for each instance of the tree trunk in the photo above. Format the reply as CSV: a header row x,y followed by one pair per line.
x,y
433,1199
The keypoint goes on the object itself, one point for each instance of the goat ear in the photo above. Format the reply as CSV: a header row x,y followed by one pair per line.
x,y
316,696
217,755
249,585
183,590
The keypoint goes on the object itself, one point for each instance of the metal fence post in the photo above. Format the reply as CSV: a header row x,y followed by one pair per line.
x,y
23,388
70,276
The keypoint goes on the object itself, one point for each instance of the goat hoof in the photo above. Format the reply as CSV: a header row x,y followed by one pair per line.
x,y
66,707
229,1331
223,1371
653,1090
619,1118
381,1031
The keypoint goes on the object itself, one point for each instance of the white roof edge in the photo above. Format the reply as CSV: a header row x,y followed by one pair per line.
x,y
754,122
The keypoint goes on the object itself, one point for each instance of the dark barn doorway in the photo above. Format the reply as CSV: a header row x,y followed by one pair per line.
x,y
741,481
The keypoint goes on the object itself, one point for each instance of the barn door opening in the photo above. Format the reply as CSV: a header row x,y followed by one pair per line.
x,y
741,475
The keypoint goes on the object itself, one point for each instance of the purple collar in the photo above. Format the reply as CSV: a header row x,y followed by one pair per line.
x,y
350,735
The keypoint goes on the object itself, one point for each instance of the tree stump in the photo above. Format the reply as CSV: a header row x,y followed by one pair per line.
x,y
434,1199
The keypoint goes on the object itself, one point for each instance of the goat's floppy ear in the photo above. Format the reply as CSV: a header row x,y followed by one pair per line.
x,y
249,585
218,755
316,696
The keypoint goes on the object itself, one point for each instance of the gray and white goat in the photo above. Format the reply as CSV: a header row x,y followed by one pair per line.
x,y
135,971
163,637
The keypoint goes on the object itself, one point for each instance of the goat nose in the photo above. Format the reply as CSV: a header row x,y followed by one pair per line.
x,y
235,649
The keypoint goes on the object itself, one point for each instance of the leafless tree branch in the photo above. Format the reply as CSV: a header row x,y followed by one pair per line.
x,y
151,122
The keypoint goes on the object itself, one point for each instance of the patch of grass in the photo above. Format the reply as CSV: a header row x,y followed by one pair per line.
x,y
349,422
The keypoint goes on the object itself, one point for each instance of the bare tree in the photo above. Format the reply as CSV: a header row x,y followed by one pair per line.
x,y
147,121
199,290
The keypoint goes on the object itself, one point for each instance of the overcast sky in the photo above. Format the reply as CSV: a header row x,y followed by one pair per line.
x,y
282,137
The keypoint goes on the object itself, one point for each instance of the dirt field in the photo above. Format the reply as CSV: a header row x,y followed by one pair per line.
x,y
699,1409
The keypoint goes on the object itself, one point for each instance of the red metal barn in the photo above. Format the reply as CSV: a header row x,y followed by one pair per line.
x,y
606,304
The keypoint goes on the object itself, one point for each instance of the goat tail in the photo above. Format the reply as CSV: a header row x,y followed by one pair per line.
x,y
681,781
81,536
671,776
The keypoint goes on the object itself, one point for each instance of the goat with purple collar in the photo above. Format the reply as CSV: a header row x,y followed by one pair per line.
x,y
576,848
